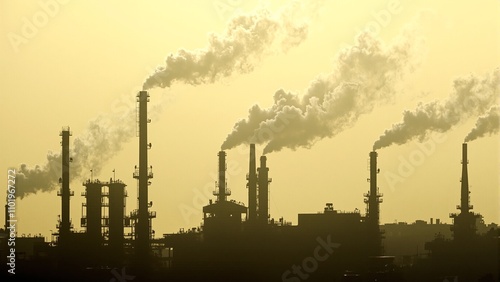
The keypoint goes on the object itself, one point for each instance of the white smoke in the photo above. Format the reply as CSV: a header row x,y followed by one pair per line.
x,y
363,76
471,96
487,124
246,39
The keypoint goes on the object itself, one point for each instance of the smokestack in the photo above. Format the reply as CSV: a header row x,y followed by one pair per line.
x,y
65,193
464,195
252,186
263,190
142,225
374,197
373,200
464,223
222,193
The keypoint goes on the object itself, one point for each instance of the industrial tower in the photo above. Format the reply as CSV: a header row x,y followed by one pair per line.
x,y
464,223
143,173
373,200
65,193
252,186
263,181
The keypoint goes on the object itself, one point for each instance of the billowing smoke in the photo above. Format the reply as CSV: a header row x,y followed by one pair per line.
x,y
487,124
364,75
246,39
471,96
103,138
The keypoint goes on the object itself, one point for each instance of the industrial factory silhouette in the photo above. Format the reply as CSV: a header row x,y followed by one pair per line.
x,y
238,242
292,141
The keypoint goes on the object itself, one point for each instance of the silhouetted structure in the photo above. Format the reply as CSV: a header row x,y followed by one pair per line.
x,y
92,219
222,219
373,200
469,256
464,223
117,220
252,186
264,181
143,217
331,245
65,193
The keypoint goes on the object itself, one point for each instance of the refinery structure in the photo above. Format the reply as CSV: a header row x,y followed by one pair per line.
x,y
243,242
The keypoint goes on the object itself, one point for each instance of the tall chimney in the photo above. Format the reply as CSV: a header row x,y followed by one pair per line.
x,y
263,190
65,193
465,206
464,223
252,186
222,192
373,200
374,197
143,175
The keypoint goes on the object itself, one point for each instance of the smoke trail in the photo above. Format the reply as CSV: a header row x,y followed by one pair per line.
x,y
363,75
486,124
471,96
103,138
245,40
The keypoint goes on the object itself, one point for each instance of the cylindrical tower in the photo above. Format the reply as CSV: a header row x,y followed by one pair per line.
x,y
143,174
222,191
252,186
65,192
116,219
263,180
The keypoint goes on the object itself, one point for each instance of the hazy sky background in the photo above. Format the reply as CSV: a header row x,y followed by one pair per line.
x,y
91,57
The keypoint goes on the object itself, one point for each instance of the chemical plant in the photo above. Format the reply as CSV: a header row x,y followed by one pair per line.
x,y
238,242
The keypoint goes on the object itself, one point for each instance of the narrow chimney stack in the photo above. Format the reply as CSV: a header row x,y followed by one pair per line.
x,y
65,192
465,206
252,186
222,193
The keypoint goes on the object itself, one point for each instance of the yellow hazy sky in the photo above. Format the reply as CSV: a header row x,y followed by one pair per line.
x,y
64,63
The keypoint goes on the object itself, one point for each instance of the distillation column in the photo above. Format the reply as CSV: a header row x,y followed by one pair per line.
x,y
142,228
65,192
263,180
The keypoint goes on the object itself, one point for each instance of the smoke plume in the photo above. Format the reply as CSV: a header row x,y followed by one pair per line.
x,y
487,124
471,96
103,138
363,76
246,39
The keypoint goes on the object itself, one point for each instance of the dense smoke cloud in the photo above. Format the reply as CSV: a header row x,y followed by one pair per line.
x,y
246,39
364,75
471,96
487,124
